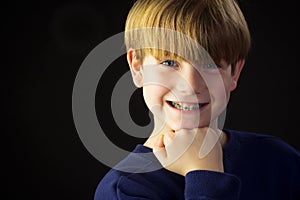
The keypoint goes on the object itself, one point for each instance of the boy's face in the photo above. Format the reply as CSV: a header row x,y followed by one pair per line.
x,y
182,96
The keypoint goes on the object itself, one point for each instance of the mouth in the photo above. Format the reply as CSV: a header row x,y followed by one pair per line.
x,y
187,106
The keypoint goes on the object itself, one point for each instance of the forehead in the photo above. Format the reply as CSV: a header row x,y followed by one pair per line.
x,y
150,59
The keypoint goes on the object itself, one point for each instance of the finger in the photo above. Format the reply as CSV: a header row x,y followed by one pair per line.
x,y
159,149
209,142
179,145
185,137
160,142
168,137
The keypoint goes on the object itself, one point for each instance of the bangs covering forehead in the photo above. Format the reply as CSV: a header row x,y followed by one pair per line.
x,y
188,28
166,43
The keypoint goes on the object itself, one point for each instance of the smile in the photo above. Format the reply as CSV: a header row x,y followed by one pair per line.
x,y
186,106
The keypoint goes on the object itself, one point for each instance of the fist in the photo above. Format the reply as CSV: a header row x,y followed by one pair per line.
x,y
187,150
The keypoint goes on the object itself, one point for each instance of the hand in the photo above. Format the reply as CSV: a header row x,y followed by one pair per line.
x,y
187,150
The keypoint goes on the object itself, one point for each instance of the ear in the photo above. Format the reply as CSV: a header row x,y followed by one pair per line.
x,y
135,68
235,77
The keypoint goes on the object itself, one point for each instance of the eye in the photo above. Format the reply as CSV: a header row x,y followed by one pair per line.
x,y
170,63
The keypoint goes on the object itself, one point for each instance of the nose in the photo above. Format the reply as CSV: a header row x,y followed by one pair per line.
x,y
191,81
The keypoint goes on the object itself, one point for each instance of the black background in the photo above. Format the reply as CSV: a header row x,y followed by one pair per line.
x,y
42,155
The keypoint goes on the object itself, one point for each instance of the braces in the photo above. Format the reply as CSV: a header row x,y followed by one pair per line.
x,y
184,107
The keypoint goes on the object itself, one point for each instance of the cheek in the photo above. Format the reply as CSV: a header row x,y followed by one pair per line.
x,y
227,87
219,94
219,87
154,95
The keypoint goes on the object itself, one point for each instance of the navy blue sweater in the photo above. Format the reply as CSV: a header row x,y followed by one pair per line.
x,y
256,167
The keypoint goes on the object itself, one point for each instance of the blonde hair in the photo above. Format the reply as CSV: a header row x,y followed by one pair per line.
x,y
217,25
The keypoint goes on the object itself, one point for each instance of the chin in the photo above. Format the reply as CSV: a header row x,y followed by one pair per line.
x,y
188,125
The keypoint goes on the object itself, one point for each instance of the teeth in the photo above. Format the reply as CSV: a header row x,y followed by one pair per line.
x,y
185,107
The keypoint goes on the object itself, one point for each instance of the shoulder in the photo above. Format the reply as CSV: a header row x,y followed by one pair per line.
x,y
263,145
107,187
270,160
128,179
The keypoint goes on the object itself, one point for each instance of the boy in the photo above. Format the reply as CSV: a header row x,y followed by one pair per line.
x,y
188,55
